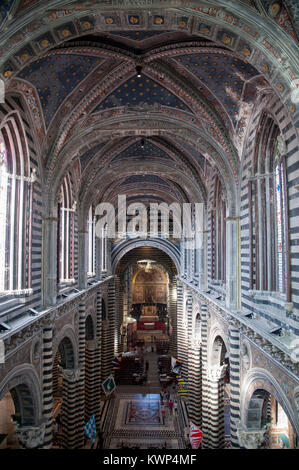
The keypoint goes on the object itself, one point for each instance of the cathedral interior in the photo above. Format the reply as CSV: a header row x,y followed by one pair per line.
x,y
167,102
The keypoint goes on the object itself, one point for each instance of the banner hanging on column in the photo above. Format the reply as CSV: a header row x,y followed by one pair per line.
x,y
195,435
109,385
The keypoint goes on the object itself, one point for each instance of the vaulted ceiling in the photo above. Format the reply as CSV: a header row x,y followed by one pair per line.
x,y
157,136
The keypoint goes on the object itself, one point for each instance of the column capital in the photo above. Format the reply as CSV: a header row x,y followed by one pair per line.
x,y
71,375
31,437
251,438
216,373
50,219
233,324
236,218
92,344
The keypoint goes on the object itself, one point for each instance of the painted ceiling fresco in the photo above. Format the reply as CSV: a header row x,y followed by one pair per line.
x,y
143,40
137,91
136,150
87,156
189,148
279,12
5,6
55,77
223,75
138,35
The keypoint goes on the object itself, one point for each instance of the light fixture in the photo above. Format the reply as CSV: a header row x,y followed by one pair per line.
x,y
142,143
138,70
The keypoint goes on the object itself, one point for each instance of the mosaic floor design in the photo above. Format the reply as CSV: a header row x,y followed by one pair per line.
x,y
145,444
143,412
135,420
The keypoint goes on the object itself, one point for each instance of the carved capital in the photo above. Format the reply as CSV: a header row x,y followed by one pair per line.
x,y
31,437
251,438
71,375
217,373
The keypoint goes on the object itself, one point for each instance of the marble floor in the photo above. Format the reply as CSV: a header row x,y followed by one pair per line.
x,y
136,418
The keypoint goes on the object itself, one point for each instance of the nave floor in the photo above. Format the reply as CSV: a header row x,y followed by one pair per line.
x,y
135,418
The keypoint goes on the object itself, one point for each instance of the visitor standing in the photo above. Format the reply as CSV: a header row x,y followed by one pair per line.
x,y
175,406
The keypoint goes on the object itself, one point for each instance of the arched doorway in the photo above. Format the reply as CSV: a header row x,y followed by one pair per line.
x,y
148,300
19,413
265,411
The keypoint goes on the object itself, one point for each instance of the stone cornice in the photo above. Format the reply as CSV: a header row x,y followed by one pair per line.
x,y
270,346
18,336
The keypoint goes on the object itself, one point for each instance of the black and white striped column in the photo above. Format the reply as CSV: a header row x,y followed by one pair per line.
x,y
234,362
109,334
182,332
119,312
216,382
81,383
48,385
97,376
194,384
69,409
173,313
92,386
205,414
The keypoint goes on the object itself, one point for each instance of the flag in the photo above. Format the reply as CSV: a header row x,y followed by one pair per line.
x,y
109,385
116,363
176,365
182,389
90,429
195,435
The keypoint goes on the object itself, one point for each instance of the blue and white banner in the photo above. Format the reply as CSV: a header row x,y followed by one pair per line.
x,y
90,429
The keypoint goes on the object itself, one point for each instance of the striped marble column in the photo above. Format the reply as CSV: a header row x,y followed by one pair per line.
x,y
217,432
205,410
108,334
194,384
80,399
69,408
119,290
182,333
173,313
97,377
234,362
47,385
92,385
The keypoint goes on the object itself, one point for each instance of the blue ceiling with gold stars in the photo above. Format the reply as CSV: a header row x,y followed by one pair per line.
x,y
195,153
56,76
136,150
224,75
5,6
137,91
87,156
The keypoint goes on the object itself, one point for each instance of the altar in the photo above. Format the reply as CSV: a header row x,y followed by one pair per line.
x,y
149,313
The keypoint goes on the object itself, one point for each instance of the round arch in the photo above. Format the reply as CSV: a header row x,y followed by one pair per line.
x,y
24,380
260,379
65,342
127,245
